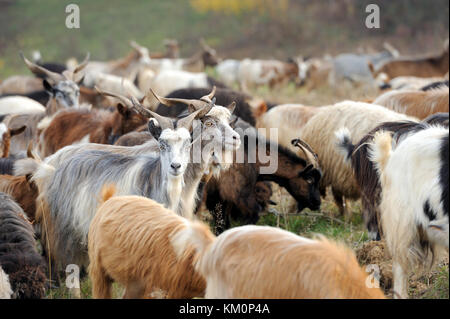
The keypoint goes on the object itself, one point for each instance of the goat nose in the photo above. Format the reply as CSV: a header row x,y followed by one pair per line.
x,y
175,165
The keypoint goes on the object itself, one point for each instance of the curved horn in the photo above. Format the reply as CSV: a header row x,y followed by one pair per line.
x,y
164,122
128,103
83,64
197,104
307,150
38,70
208,98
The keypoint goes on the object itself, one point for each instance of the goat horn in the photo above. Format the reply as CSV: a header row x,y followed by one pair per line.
x,y
38,70
208,97
128,103
307,150
83,64
197,104
164,122
186,122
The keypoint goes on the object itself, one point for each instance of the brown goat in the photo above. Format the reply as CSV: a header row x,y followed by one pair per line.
x,y
129,242
96,126
420,104
425,67
266,262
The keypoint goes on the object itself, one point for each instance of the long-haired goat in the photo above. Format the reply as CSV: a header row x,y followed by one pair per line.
x,y
364,170
319,131
18,256
419,104
266,262
129,243
154,173
414,177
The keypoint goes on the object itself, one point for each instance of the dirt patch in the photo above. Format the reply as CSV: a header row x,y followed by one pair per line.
x,y
375,253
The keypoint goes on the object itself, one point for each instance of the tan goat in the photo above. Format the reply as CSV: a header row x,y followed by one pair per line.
x,y
266,262
129,242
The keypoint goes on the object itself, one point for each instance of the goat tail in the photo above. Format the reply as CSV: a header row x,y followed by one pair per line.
x,y
108,191
344,143
380,150
196,235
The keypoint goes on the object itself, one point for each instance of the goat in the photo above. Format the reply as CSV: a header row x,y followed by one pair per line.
x,y
64,93
5,138
414,199
359,118
419,104
21,84
19,104
40,96
18,256
96,126
129,242
288,119
228,71
425,67
355,67
235,189
314,73
167,81
265,262
266,72
156,173
206,56
65,223
247,107
363,169
112,83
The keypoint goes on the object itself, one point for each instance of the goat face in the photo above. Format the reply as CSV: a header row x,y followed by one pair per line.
x,y
221,139
66,93
209,57
305,188
175,146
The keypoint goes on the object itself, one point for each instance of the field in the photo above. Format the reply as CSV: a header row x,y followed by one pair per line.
x,y
308,28
327,221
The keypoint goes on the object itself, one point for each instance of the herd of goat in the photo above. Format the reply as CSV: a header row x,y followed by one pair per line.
x,y
96,162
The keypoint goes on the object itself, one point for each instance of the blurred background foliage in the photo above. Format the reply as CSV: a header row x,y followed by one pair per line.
x,y
236,28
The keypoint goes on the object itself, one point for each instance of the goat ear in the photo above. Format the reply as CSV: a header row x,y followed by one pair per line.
x,y
305,170
154,128
123,110
231,107
17,130
47,86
